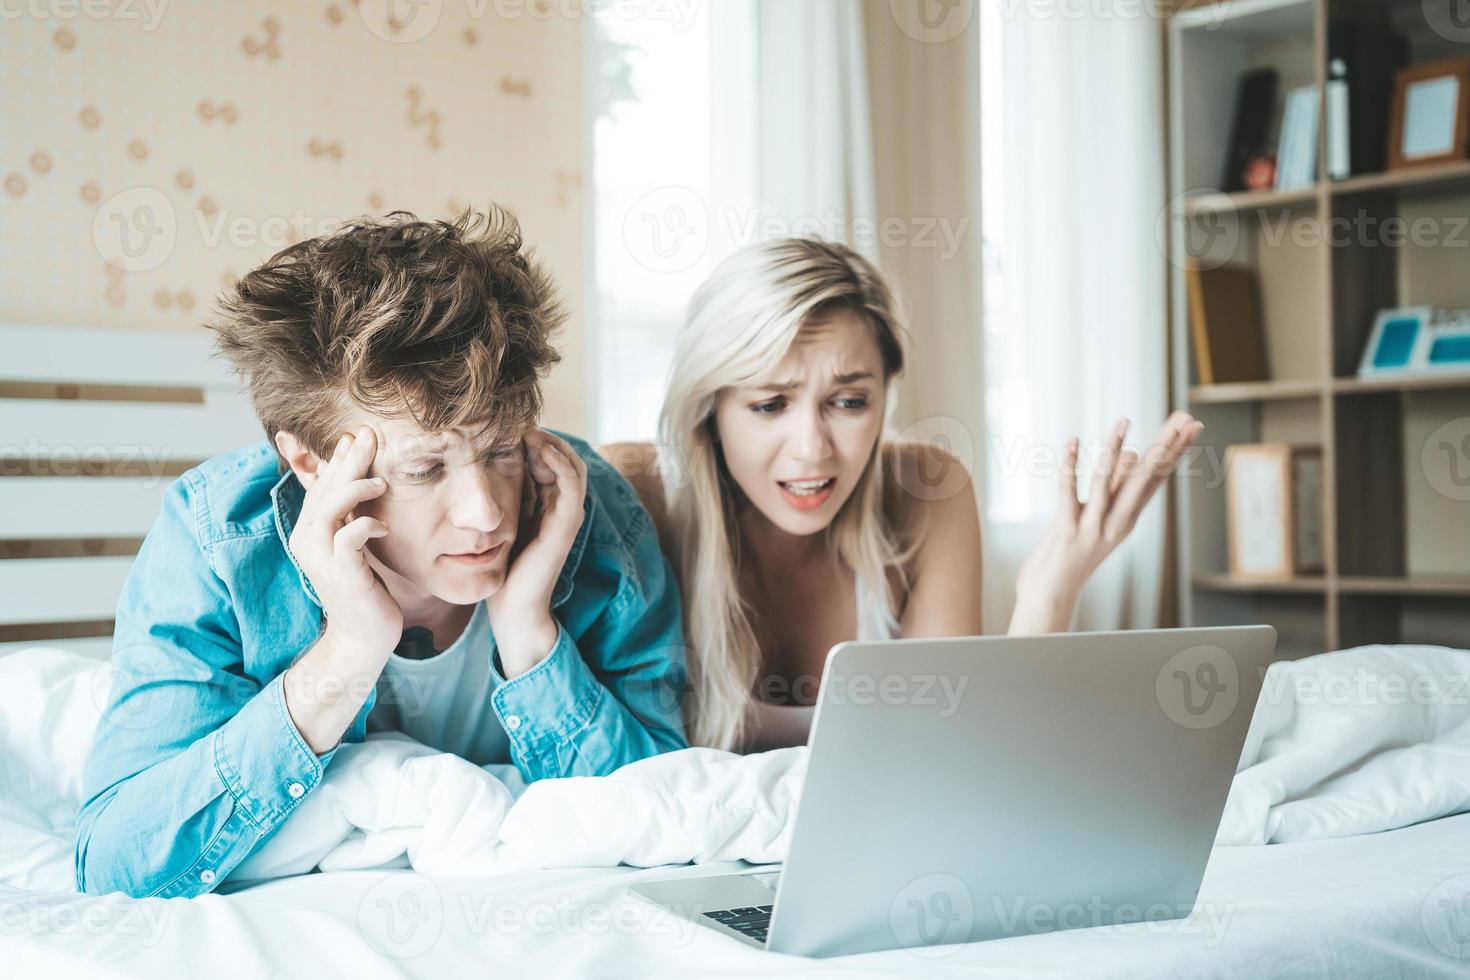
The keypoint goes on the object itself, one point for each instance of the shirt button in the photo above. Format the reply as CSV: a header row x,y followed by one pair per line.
x,y
296,790
513,722
207,876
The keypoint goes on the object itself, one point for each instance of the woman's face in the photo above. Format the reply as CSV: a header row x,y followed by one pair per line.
x,y
798,441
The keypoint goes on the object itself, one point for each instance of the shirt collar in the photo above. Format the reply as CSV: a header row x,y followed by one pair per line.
x,y
287,496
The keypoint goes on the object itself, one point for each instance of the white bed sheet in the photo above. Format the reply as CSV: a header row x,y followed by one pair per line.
x,y
1330,898
1378,905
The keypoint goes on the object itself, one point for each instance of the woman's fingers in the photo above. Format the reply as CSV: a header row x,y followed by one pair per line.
x,y
1099,500
1068,507
1127,465
1159,462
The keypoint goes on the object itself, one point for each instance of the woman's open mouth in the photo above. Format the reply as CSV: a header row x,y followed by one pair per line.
x,y
807,494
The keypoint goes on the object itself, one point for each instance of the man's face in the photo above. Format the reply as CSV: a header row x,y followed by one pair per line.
x,y
453,508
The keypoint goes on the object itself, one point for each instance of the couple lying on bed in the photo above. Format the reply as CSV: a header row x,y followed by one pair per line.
x,y
410,552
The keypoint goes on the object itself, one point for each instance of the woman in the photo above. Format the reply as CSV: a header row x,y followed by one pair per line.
x,y
795,526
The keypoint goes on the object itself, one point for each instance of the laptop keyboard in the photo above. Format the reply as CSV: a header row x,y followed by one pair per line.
x,y
752,920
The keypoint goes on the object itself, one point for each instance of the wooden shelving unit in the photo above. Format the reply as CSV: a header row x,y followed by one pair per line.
x,y
1396,536
1253,391
1420,382
1421,180
1237,583
1216,203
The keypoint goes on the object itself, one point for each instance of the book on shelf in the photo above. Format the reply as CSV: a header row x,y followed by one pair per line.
x,y
1225,322
1339,101
1296,155
1362,62
1250,128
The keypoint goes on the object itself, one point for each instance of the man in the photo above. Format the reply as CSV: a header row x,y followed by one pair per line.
x,y
407,552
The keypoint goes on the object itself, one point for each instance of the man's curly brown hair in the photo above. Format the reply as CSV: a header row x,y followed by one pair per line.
x,y
445,322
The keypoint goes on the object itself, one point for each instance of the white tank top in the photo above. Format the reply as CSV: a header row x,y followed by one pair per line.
x,y
875,620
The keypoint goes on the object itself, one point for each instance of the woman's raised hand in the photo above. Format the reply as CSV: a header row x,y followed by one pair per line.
x,y
1081,536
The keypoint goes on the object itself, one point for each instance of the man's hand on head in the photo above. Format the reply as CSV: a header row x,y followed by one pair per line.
x,y
327,686
520,610
330,543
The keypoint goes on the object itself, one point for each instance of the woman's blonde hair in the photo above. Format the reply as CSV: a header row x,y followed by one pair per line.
x,y
741,322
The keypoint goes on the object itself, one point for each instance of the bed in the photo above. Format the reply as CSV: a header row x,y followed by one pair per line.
x,y
1358,907
419,885
1345,851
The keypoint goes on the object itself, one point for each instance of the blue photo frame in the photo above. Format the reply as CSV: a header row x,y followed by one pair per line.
x,y
1448,349
1399,342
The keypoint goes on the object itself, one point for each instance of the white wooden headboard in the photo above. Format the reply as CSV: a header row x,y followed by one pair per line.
x,y
94,426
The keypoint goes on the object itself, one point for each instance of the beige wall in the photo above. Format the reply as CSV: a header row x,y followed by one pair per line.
x,y
231,130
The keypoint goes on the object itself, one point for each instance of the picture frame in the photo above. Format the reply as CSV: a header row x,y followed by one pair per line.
x,y
1273,495
1398,341
1448,347
1430,120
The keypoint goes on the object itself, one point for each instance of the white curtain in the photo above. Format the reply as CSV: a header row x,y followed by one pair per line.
x,y
792,147
826,116
1075,311
748,122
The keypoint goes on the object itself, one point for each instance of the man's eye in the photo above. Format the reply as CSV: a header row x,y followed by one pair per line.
x,y
769,407
501,456
425,473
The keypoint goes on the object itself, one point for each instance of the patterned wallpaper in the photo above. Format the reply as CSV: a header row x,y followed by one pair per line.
x,y
152,150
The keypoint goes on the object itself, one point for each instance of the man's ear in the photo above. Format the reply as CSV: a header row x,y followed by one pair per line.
x,y
303,462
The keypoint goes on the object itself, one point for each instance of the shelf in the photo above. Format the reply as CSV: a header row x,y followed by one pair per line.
x,y
1369,585
1250,391
1413,181
1221,203
1242,583
1246,18
1318,295
1346,585
1416,180
1409,382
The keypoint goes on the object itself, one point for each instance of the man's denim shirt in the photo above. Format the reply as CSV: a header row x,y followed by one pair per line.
x,y
196,761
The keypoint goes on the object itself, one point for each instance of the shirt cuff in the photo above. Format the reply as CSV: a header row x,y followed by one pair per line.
x,y
549,703
263,760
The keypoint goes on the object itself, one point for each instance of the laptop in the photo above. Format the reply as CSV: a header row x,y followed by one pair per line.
x,y
975,788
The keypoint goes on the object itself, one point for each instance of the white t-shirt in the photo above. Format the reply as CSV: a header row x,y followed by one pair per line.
x,y
443,701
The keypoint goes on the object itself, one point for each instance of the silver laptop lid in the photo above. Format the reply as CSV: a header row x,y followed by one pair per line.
x,y
975,788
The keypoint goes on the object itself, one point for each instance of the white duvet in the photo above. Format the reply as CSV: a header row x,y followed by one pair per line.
x,y
516,881
1354,742
1343,743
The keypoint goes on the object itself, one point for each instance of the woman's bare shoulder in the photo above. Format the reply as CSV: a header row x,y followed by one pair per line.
x,y
924,483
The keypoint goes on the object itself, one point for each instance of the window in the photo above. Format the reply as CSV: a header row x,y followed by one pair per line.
x,y
651,181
